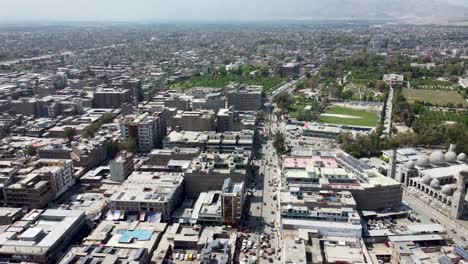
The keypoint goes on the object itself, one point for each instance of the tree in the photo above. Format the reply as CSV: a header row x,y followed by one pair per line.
x,y
88,132
107,118
30,150
279,143
129,145
284,101
70,133
112,149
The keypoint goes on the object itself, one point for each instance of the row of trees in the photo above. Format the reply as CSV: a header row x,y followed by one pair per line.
x,y
90,131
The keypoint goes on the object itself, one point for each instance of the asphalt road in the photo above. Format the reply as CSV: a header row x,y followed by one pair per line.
x,y
426,212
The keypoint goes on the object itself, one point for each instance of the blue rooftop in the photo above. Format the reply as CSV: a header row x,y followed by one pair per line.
x,y
138,234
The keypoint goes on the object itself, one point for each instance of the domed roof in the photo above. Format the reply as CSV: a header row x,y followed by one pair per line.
x,y
410,164
450,156
437,158
435,183
426,179
423,160
447,189
461,157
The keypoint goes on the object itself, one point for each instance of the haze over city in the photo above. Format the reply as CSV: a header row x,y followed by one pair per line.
x,y
222,10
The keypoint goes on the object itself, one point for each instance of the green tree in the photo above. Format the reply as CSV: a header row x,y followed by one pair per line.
x,y
129,145
112,149
30,150
88,132
70,133
279,143
107,118
284,101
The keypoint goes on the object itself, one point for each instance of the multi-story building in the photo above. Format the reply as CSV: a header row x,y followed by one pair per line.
x,y
28,191
59,173
193,120
148,130
100,254
161,157
232,200
290,69
331,213
89,153
227,120
335,171
211,101
39,185
210,170
121,167
231,141
244,98
40,236
149,192
111,97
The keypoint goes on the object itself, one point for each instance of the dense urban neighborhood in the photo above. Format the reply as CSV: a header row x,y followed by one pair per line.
x,y
295,143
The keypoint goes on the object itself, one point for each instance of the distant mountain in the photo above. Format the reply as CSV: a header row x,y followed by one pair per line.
x,y
382,9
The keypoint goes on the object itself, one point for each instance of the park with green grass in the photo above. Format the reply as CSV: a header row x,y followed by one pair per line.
x,y
434,97
349,116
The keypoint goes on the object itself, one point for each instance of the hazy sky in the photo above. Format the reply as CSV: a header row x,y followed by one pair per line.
x,y
144,10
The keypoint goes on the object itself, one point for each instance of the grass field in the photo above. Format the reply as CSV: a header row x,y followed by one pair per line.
x,y
434,96
361,117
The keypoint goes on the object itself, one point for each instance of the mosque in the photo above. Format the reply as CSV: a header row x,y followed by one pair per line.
x,y
441,176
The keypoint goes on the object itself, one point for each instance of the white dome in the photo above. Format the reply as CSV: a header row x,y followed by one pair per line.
x,y
450,156
427,179
447,189
437,158
423,160
410,164
461,157
435,183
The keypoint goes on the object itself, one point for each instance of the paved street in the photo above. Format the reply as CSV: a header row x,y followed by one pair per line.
x,y
426,212
264,216
388,113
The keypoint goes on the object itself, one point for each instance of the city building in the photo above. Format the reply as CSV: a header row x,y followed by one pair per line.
x,y
129,235
111,97
330,213
35,187
121,166
207,244
437,177
40,236
149,192
103,254
337,171
244,98
290,69
393,79
227,120
148,130
203,120
210,170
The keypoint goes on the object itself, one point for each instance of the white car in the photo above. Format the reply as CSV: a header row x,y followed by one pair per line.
x,y
177,256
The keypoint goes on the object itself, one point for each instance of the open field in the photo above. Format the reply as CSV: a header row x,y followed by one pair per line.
x,y
348,116
434,97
